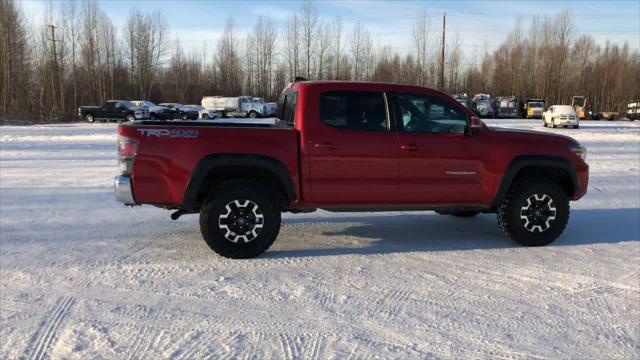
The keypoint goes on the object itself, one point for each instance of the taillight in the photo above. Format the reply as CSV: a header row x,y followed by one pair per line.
x,y
127,149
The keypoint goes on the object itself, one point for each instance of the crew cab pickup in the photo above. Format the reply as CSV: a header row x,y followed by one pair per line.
x,y
350,146
113,110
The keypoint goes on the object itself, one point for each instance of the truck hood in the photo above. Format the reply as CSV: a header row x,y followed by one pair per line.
x,y
518,135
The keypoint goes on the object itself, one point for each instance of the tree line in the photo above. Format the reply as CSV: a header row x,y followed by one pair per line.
x,y
79,58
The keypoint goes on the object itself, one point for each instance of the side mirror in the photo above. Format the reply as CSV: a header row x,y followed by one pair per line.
x,y
476,126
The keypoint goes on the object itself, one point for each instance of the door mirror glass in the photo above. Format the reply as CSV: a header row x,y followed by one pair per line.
x,y
476,126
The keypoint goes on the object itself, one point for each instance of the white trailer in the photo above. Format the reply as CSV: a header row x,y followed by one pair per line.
x,y
239,106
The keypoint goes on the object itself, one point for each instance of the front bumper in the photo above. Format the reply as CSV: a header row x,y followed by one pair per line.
x,y
124,192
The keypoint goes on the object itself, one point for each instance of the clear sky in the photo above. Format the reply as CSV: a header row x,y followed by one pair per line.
x,y
478,24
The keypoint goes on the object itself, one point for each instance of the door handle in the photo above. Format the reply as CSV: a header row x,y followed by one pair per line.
x,y
325,145
411,147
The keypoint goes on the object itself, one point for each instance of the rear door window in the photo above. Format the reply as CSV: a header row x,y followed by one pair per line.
x,y
354,110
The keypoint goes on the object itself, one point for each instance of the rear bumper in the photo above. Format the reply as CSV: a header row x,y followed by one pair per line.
x,y
123,190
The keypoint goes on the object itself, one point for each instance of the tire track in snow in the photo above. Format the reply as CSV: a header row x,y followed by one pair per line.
x,y
392,300
140,343
46,333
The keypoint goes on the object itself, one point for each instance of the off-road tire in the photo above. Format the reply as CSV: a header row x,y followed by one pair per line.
x,y
215,203
509,211
89,118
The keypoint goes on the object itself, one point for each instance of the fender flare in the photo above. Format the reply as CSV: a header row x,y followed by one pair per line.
x,y
537,161
213,161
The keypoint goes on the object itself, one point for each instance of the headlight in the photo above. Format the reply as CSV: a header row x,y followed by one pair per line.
x,y
580,151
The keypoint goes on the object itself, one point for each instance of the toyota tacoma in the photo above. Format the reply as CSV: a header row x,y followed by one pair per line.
x,y
350,146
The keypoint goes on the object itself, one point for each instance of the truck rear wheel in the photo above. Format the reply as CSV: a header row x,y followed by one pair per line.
x,y
239,220
534,212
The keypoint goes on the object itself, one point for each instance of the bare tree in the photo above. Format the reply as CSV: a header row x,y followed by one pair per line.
x,y
324,45
309,20
421,40
228,64
292,49
146,49
360,45
338,45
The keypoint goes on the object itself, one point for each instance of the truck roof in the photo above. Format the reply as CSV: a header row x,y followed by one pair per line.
x,y
363,85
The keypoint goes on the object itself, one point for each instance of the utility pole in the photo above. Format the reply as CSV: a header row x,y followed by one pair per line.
x,y
54,67
441,79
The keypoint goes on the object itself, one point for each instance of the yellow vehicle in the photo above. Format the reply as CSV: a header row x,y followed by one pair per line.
x,y
579,104
533,108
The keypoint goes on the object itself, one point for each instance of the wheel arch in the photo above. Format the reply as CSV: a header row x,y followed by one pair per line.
x,y
215,169
555,168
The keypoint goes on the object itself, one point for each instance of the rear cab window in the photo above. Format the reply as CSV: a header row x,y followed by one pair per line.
x,y
286,107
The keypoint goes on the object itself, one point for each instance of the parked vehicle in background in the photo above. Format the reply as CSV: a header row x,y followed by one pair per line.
x,y
463,99
483,106
633,110
239,106
156,112
561,115
507,107
113,110
533,108
179,111
579,104
606,115
204,114
349,146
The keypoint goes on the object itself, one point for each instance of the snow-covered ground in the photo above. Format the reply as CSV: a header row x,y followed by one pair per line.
x,y
82,276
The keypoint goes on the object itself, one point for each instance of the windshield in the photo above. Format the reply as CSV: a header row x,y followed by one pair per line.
x,y
536,105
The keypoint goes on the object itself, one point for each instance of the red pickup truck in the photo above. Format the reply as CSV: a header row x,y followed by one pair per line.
x,y
350,146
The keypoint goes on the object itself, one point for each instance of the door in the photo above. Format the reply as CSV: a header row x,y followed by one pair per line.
x,y
120,111
107,110
440,161
353,153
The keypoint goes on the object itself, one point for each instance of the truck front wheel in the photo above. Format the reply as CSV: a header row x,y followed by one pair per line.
x,y
253,114
534,212
89,118
239,220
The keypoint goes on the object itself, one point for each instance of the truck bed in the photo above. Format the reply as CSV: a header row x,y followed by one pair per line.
x,y
169,151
